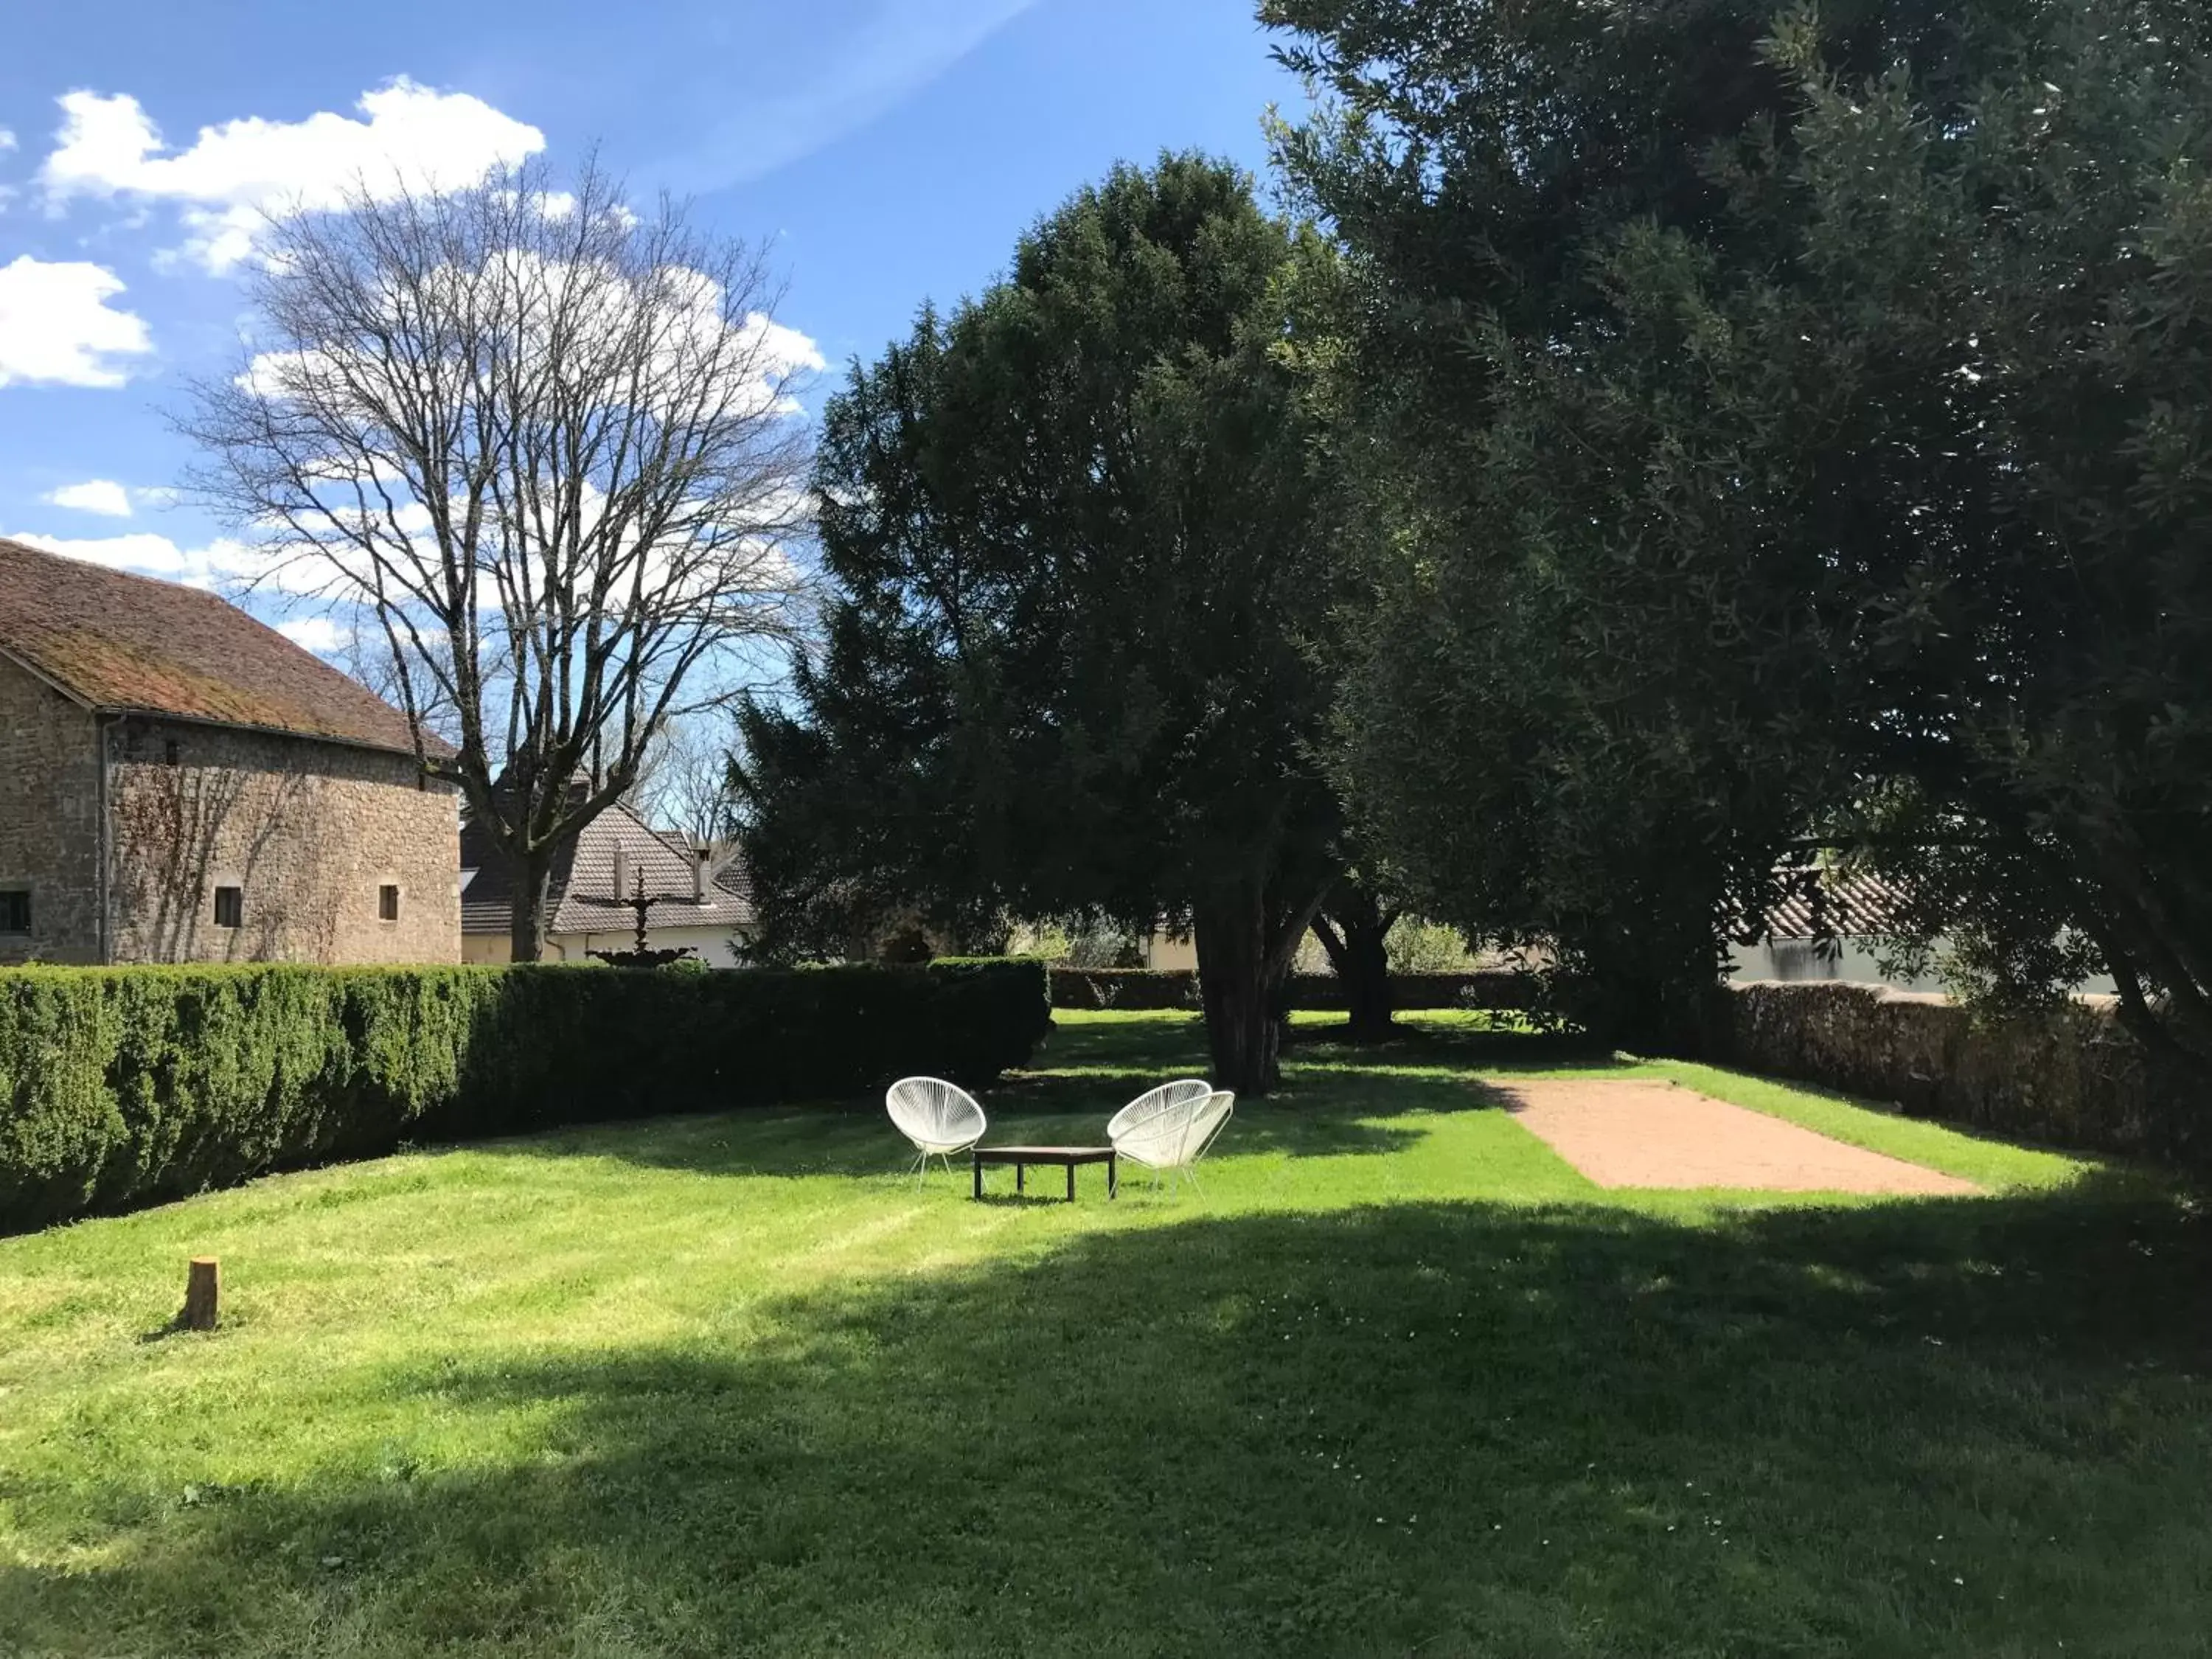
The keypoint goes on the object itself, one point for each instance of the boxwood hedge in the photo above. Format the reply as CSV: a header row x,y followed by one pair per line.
x,y
121,1086
1178,988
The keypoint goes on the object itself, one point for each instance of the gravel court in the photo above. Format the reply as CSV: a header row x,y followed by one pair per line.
x,y
1643,1133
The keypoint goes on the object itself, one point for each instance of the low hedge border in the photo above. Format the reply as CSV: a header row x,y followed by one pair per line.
x,y
2073,1078
126,1086
1178,988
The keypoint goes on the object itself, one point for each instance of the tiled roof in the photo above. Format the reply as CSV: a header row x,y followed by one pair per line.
x,y
130,644
1822,903
583,896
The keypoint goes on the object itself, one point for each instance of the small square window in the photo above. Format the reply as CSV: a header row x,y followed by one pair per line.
x,y
172,751
387,903
16,910
230,907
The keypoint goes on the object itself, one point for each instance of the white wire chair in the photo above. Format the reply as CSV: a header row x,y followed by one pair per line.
x,y
940,1118
1172,1134
1156,1100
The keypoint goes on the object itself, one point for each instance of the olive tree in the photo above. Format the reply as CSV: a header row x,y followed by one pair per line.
x,y
1800,414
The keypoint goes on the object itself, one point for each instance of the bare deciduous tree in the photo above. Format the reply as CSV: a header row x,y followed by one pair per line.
x,y
548,448
683,782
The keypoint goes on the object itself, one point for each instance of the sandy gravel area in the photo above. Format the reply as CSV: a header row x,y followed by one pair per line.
x,y
1654,1133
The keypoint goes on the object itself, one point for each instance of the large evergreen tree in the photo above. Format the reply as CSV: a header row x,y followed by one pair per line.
x,y
1803,415
1078,533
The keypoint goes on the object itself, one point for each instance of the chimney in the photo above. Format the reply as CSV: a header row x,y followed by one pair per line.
x,y
698,857
622,872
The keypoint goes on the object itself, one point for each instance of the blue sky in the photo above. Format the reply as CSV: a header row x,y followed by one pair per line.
x,y
892,149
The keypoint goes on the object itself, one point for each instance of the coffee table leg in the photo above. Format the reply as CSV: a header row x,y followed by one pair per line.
x,y
1112,1180
1071,1183
1021,1177
978,1159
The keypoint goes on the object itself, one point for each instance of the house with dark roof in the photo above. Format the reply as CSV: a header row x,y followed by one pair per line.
x,y
179,782
697,896
1836,924
1826,925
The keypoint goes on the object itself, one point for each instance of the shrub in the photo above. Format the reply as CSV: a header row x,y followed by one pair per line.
x,y
129,1086
1124,987
1178,988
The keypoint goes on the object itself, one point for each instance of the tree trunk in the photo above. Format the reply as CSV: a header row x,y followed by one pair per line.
x,y
1354,929
533,883
1243,1029
203,1293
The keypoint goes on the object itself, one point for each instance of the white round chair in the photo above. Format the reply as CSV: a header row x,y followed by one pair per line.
x,y
1157,1100
940,1118
1171,1136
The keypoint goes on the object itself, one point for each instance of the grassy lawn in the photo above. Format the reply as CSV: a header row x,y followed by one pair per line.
x,y
1399,1381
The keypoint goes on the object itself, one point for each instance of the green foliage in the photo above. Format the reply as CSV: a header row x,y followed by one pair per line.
x,y
1124,987
1793,416
1079,535
124,1086
1140,988
1081,941
1418,946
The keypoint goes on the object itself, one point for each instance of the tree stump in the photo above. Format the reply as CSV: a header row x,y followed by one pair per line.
x,y
202,1285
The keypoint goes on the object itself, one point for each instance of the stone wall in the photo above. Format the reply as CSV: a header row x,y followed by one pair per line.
x,y
307,831
2070,1077
49,819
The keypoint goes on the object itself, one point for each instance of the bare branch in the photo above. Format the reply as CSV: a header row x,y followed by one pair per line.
x,y
547,449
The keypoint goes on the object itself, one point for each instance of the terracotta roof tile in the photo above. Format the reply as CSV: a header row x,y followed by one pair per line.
x,y
125,643
583,897
1818,904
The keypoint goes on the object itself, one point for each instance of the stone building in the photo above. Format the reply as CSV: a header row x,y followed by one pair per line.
x,y
700,899
180,783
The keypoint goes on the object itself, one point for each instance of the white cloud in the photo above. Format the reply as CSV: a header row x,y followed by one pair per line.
x,y
906,45
701,330
7,139
410,137
56,324
149,555
102,495
316,634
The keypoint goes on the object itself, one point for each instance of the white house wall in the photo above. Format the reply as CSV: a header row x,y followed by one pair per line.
x,y
1854,962
715,945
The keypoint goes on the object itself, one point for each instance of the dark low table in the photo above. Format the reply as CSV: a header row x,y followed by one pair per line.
x,y
1065,1156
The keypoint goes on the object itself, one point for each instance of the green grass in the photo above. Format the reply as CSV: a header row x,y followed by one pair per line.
x,y
1399,1381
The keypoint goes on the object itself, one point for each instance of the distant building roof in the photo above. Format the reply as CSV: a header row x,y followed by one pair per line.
x,y
126,644
1831,903
582,897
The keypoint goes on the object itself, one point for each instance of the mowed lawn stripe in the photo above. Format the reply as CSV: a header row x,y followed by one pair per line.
x,y
1397,1379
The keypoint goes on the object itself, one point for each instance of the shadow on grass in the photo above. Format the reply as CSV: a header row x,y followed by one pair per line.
x,y
1413,1046
1948,1427
1325,1107
856,1139
1163,1045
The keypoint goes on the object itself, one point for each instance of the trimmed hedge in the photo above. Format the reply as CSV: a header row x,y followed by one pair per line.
x,y
1124,987
2075,1077
124,1086
1178,988
1411,991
